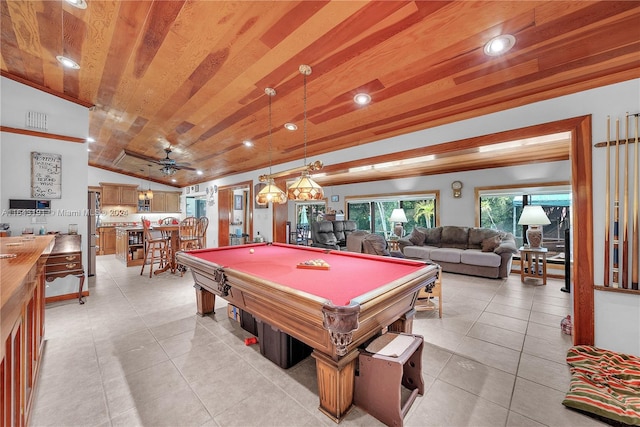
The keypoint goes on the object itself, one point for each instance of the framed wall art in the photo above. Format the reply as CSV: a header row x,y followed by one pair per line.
x,y
335,198
237,202
46,175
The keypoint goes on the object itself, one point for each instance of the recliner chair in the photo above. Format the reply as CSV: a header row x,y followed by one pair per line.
x,y
323,236
342,229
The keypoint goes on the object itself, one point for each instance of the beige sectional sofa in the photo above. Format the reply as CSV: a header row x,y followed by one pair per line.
x,y
475,251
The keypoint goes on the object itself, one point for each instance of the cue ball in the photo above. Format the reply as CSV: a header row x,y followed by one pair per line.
x,y
250,251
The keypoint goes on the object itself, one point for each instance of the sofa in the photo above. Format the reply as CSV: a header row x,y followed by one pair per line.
x,y
480,252
332,234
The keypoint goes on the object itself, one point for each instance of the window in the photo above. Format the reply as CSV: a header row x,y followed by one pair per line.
x,y
307,214
501,209
373,213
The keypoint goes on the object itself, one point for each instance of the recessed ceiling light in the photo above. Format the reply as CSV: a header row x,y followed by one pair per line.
x,y
362,98
89,149
247,143
499,45
80,4
290,126
91,139
173,180
69,63
199,172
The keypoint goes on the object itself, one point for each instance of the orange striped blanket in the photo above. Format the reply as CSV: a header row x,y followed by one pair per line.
x,y
604,383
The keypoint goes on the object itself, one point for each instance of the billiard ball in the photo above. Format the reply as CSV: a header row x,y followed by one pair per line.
x,y
250,251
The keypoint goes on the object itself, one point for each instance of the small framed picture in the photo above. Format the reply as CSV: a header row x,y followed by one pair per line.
x,y
237,202
197,188
188,191
335,198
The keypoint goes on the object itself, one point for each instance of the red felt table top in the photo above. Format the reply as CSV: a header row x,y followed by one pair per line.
x,y
350,274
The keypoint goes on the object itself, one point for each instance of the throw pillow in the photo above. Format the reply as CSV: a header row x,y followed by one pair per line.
x,y
490,243
433,236
417,237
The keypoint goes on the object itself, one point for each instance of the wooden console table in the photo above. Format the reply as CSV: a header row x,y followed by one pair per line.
x,y
66,259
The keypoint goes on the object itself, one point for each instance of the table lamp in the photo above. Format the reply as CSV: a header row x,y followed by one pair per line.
x,y
398,216
534,217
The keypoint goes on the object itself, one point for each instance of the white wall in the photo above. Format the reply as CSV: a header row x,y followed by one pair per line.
x,y
64,118
617,316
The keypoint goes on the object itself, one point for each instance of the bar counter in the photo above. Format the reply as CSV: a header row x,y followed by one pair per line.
x,y
22,263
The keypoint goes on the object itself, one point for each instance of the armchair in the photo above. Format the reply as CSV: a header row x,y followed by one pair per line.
x,y
323,236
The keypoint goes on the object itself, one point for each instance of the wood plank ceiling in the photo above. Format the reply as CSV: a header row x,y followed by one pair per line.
x,y
191,74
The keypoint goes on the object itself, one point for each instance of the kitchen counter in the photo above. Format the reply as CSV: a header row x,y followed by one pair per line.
x,y
130,244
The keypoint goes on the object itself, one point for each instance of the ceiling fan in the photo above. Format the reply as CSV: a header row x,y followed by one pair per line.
x,y
169,165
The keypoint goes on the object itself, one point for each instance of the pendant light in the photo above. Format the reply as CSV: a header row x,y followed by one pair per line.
x,y
271,192
305,188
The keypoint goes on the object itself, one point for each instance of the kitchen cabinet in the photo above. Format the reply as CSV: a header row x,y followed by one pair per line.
x,y
119,194
158,203
130,245
172,200
107,240
165,202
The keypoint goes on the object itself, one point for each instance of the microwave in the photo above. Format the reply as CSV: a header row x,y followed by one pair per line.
x,y
30,205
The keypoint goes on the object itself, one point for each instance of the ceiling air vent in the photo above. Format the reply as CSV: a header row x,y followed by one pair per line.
x,y
36,120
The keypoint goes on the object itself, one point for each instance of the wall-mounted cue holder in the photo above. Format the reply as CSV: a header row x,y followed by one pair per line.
x,y
621,233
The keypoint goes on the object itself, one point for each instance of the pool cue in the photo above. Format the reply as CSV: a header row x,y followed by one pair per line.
x,y
607,207
616,211
634,252
625,213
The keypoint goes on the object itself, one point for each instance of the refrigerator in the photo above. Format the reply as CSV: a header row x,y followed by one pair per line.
x,y
94,222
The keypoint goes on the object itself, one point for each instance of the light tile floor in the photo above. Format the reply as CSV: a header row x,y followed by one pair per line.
x,y
136,354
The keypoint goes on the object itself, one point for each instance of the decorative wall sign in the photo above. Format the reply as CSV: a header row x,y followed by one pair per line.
x,y
46,175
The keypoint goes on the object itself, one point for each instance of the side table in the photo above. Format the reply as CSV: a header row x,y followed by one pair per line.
x,y
533,263
394,245
66,259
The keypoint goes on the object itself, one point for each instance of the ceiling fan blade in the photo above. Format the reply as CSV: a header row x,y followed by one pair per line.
x,y
140,156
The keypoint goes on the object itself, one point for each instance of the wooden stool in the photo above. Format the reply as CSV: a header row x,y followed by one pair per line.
x,y
154,248
424,302
390,362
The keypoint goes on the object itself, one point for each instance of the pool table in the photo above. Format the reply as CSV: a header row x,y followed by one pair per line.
x,y
333,308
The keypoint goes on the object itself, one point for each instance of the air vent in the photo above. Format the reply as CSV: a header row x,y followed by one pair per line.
x,y
36,120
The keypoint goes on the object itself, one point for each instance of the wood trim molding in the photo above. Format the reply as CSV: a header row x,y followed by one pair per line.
x,y
582,247
46,89
42,134
65,297
478,190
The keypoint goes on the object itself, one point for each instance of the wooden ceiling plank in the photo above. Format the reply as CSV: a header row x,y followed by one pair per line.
x,y
118,83
173,105
101,20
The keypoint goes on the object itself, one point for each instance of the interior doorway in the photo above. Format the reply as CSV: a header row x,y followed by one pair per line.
x,y
196,206
235,214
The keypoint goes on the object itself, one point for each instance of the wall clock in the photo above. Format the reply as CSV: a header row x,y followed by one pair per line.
x,y
456,186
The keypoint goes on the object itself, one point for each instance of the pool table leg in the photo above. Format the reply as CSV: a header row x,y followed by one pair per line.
x,y
404,323
205,300
336,381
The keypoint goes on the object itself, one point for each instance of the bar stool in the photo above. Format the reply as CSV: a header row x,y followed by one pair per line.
x,y
390,362
424,302
188,234
203,224
154,247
